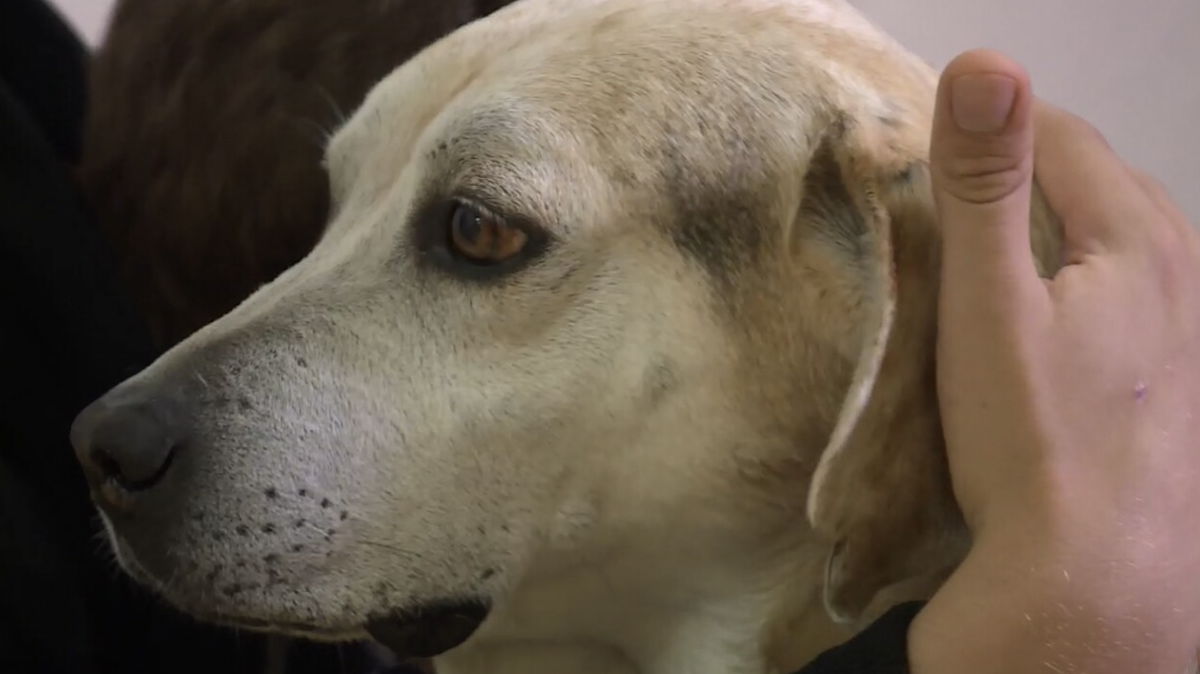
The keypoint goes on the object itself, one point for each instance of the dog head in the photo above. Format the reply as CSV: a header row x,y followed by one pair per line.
x,y
607,285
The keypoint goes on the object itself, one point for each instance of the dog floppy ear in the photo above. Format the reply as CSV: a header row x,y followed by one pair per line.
x,y
880,493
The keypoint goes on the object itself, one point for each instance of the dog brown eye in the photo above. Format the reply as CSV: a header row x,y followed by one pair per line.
x,y
483,238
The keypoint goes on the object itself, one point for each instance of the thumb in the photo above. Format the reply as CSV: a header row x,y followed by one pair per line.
x,y
982,168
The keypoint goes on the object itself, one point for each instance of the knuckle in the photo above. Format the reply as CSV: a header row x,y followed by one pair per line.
x,y
1170,253
1153,187
1067,127
1191,236
985,178
1160,196
1173,272
1150,182
1086,129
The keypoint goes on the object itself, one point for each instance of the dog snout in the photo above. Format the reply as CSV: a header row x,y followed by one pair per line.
x,y
126,443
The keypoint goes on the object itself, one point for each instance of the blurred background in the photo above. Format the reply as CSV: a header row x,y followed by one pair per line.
x,y
1132,67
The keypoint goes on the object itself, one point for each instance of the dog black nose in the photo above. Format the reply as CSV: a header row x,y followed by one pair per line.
x,y
126,442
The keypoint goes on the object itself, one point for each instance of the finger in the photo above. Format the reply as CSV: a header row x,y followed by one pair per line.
x,y
1101,204
1177,251
1159,196
1153,188
982,167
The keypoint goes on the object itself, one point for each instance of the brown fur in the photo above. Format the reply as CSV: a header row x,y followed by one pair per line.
x,y
207,125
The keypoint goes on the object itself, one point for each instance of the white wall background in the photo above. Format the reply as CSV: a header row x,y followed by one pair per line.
x,y
1130,66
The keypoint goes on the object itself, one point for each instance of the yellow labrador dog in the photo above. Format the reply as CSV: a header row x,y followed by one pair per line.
x,y
616,357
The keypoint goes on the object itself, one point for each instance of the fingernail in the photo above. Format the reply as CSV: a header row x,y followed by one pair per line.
x,y
982,103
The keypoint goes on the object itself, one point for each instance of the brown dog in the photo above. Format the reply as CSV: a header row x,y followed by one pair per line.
x,y
207,125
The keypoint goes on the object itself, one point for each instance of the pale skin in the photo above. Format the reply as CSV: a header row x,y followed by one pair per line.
x,y
1071,405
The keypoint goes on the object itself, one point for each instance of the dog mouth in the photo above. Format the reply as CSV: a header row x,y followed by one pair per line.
x,y
422,632
295,629
430,629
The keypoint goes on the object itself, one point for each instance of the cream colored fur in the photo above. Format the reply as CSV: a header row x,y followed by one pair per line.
x,y
616,445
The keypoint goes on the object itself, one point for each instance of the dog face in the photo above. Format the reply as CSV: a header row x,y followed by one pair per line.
x,y
604,282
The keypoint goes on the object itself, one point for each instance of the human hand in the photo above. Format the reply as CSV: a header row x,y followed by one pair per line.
x,y
1071,406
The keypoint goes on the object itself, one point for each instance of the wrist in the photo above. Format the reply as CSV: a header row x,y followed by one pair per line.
x,y
1018,606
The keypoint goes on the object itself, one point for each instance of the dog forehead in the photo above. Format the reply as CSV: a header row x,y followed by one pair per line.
x,y
588,54
688,121
590,57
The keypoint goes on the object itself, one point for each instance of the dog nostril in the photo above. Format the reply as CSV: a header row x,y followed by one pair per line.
x,y
108,466
128,441
111,469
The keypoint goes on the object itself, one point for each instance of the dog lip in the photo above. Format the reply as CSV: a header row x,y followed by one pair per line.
x,y
293,628
430,629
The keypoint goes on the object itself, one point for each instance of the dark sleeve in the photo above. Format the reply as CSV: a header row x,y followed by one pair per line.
x,y
66,336
43,64
882,648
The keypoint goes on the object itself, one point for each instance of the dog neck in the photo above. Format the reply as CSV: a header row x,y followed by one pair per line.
x,y
708,579
657,614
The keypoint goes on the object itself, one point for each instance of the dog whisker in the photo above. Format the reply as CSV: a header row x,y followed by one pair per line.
x,y
315,132
200,378
406,555
339,115
319,530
